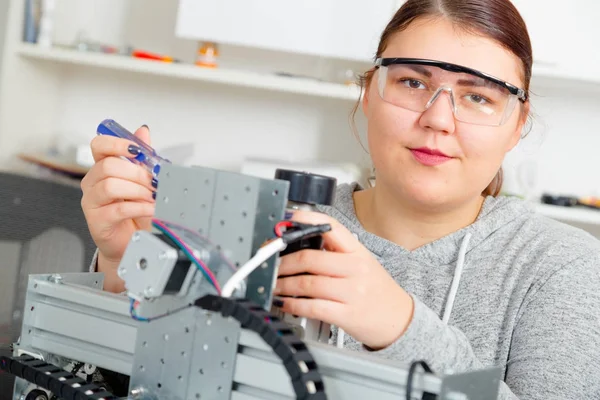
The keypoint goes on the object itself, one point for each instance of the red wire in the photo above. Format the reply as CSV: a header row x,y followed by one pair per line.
x,y
282,224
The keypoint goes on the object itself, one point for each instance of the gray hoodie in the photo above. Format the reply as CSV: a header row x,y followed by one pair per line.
x,y
527,299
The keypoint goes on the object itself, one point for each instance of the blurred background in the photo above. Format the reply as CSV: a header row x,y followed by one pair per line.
x,y
243,85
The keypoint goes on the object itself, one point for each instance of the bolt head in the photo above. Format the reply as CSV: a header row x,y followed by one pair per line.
x,y
135,237
121,272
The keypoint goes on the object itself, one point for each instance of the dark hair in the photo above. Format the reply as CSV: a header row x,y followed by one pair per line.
x,y
495,19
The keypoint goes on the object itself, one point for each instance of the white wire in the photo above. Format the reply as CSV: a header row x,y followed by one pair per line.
x,y
456,280
340,338
262,255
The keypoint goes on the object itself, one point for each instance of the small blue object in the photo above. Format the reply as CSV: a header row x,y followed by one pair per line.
x,y
147,157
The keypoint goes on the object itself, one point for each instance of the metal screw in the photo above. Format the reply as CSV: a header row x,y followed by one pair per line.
x,y
138,393
148,291
55,278
142,264
121,272
456,396
135,237
261,289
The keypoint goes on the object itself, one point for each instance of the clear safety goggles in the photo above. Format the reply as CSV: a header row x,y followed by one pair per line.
x,y
475,97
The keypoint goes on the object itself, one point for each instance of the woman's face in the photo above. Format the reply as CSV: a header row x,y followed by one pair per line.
x,y
401,140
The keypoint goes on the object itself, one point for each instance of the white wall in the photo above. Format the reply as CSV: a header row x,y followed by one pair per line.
x,y
564,143
226,124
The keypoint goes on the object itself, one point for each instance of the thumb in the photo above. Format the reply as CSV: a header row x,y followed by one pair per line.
x,y
144,133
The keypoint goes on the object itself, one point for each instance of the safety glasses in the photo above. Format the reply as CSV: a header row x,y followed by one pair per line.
x,y
475,97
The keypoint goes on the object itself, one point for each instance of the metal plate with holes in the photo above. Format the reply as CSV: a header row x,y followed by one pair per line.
x,y
232,216
147,265
185,196
481,385
163,355
272,201
236,213
213,358
186,354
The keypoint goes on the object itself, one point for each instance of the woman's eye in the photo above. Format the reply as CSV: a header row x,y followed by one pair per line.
x,y
477,99
413,83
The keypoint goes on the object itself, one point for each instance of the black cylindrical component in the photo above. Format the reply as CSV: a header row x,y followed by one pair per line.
x,y
37,394
308,188
306,191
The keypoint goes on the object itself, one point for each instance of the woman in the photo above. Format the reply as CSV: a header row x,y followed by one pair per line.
x,y
429,264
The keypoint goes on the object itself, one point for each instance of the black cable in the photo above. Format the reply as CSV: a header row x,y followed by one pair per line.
x,y
60,382
297,360
411,376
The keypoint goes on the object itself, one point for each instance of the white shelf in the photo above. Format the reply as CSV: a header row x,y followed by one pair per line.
x,y
302,86
573,215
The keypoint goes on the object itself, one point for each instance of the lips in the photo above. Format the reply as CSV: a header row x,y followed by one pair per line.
x,y
430,157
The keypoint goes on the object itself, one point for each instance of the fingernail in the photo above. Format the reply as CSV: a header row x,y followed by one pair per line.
x,y
145,126
277,302
134,150
154,183
154,195
288,215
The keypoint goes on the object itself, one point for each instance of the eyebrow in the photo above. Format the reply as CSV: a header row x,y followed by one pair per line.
x,y
480,83
420,69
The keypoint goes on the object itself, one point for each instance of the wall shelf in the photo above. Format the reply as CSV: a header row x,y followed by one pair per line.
x,y
254,80
572,215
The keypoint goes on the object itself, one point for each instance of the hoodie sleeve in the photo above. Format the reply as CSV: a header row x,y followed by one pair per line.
x,y
556,341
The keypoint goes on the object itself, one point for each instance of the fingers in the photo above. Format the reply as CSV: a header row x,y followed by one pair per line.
x,y
339,239
330,312
144,133
116,168
111,189
313,286
109,146
315,262
114,213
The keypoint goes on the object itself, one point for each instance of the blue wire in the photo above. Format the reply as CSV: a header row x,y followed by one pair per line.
x,y
187,253
133,313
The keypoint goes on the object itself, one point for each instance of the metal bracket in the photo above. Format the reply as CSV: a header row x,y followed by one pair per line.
x,y
236,212
147,265
477,385
187,355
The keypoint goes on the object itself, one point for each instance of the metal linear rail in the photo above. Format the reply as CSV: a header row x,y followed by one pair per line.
x,y
69,317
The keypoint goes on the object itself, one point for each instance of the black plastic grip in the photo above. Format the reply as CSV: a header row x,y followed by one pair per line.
x,y
297,360
50,377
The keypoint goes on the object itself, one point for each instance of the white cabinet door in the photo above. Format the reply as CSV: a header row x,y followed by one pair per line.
x,y
344,29
358,27
564,36
547,36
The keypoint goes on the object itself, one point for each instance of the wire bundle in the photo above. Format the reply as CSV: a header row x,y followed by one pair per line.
x,y
163,228
285,231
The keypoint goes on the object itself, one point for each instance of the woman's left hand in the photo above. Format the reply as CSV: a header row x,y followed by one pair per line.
x,y
345,286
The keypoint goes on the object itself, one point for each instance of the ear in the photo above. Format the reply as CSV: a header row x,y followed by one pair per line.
x,y
518,133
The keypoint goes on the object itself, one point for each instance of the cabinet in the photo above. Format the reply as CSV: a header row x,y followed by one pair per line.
x,y
341,29
564,36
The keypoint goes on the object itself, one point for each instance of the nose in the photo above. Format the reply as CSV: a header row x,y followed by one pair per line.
x,y
439,115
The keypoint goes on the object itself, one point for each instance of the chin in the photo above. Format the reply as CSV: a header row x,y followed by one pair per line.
x,y
429,193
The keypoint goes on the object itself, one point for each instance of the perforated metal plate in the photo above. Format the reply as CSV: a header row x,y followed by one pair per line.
x,y
236,212
187,355
213,357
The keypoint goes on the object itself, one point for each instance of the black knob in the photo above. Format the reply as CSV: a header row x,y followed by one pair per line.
x,y
308,188
37,394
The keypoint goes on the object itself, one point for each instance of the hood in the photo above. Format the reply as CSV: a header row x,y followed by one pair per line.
x,y
496,213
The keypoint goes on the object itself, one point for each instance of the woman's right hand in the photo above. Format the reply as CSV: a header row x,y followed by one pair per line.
x,y
117,201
